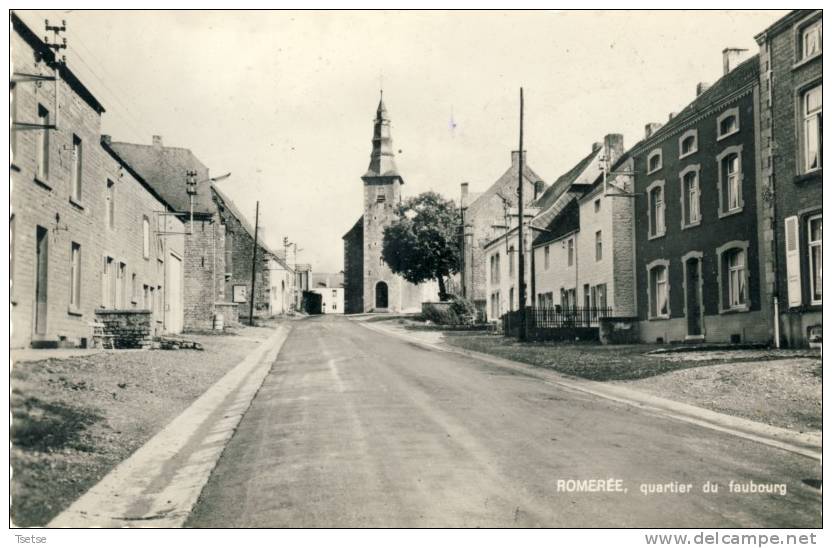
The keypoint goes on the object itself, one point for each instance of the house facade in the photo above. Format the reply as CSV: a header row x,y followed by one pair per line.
x,y
485,218
698,264
369,284
791,141
87,233
502,255
583,248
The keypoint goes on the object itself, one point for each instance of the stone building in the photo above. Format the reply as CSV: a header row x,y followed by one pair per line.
x,y
239,250
166,169
583,254
791,141
369,284
485,218
698,264
87,233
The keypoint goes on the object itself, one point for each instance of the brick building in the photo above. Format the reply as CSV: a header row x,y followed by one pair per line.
x,y
86,231
698,266
791,141
583,255
485,218
369,284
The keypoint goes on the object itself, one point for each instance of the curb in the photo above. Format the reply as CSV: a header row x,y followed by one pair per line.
x,y
158,485
805,444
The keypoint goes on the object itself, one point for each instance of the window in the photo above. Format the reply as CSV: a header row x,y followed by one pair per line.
x,y
688,143
75,277
42,146
145,237
733,276
601,296
546,258
121,285
658,296
570,252
146,297
111,204
654,161
728,123
730,181
134,289
599,250
815,237
812,129
511,298
597,205
381,198
811,38
511,261
655,194
690,197
77,168
108,283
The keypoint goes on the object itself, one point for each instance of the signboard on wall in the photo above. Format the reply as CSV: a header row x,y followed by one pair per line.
x,y
240,293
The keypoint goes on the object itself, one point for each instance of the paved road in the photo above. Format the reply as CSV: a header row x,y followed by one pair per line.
x,y
354,428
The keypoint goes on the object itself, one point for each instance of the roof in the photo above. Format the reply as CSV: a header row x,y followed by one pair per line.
x,y
106,146
509,175
565,222
563,182
165,169
48,56
359,225
744,74
382,158
785,22
231,207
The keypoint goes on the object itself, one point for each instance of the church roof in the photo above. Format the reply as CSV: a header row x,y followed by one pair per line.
x,y
382,158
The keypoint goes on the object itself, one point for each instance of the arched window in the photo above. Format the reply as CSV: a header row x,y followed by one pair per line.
x,y
654,161
734,276
688,143
381,295
658,297
655,195
728,123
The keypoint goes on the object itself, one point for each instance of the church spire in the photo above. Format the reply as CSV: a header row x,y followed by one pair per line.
x,y
382,160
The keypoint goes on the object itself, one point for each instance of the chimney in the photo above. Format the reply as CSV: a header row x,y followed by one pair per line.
x,y
538,189
157,141
731,57
671,116
515,157
106,139
596,146
650,129
701,88
614,147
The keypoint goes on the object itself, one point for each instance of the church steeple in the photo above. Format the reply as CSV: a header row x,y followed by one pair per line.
x,y
382,160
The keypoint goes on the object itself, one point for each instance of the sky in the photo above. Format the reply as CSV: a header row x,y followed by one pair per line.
x,y
285,101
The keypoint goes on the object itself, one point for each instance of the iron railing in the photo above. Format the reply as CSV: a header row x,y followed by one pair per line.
x,y
556,317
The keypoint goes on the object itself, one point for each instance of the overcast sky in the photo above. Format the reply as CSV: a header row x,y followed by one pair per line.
x,y
285,100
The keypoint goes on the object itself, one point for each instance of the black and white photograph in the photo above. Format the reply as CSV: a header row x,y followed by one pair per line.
x,y
416,269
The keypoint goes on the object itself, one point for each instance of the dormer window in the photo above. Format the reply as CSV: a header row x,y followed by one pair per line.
x,y
654,161
688,143
811,38
728,123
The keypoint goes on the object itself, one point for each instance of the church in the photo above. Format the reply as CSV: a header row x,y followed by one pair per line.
x,y
369,284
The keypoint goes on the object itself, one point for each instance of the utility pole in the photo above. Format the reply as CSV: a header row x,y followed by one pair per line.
x,y
254,264
521,259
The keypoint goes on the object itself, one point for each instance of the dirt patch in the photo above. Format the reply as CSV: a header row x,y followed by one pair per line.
x,y
74,419
784,393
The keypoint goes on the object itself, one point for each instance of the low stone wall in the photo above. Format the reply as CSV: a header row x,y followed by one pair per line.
x,y
230,313
123,328
618,330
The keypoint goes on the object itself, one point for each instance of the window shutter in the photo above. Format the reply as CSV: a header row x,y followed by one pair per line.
x,y
793,261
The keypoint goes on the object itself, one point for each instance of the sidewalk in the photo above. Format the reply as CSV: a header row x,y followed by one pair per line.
x,y
808,444
76,418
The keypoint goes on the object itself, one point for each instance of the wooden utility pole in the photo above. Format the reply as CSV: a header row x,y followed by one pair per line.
x,y
521,259
254,264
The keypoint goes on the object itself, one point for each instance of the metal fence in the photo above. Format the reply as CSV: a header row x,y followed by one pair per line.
x,y
555,317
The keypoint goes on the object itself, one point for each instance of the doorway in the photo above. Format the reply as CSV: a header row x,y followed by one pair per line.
x,y
381,295
693,296
41,279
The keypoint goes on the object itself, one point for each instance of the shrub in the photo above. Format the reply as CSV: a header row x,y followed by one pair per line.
x,y
440,315
464,310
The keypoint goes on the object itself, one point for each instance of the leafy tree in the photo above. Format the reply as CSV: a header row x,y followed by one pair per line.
x,y
422,243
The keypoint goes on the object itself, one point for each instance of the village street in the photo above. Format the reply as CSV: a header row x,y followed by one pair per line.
x,y
355,428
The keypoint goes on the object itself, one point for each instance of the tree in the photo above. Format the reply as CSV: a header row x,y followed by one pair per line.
x,y
422,243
